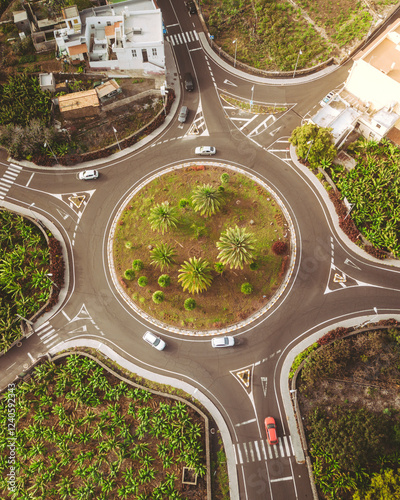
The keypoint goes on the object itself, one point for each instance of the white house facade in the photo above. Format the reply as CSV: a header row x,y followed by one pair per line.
x,y
123,36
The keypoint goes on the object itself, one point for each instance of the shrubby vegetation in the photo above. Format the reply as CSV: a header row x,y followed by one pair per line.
x,y
347,394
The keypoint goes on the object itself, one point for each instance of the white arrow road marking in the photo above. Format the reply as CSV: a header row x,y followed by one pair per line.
x,y
63,214
247,422
264,385
228,82
349,263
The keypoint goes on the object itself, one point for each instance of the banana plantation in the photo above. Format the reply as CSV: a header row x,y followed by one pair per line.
x,y
373,189
81,433
24,267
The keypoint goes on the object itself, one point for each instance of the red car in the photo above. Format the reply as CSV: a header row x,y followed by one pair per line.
x,y
270,429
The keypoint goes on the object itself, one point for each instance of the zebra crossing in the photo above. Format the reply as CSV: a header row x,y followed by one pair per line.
x,y
256,451
47,334
181,38
8,179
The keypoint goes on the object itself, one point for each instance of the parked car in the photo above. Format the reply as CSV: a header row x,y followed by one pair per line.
x,y
183,114
327,98
191,7
223,341
205,150
154,341
88,175
270,429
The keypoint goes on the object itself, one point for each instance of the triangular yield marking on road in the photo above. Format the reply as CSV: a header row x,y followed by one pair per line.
x,y
77,200
82,314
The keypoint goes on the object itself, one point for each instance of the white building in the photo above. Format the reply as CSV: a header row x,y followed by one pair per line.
x,y
374,80
122,36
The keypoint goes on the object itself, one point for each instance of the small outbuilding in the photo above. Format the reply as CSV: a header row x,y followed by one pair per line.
x,y
108,90
47,82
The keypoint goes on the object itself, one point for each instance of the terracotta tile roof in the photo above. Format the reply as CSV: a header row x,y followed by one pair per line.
x,y
77,49
110,30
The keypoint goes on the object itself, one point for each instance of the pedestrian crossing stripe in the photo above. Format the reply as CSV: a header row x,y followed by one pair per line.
x,y
256,451
180,38
8,178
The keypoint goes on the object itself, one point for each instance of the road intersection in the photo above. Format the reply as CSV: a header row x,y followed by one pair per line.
x,y
241,386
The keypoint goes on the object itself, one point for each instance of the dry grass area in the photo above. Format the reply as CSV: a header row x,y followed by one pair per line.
x,y
245,204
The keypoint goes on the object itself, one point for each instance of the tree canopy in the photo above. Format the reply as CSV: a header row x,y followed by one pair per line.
x,y
314,144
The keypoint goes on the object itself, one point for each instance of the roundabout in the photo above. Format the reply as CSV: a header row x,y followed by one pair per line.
x,y
236,294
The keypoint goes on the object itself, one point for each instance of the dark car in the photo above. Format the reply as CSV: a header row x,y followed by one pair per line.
x,y
191,7
188,79
270,429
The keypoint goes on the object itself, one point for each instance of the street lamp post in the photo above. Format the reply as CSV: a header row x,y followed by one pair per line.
x,y
116,138
48,276
251,102
52,152
235,42
297,62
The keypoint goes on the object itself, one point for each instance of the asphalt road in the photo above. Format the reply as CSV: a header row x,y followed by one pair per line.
x,y
93,309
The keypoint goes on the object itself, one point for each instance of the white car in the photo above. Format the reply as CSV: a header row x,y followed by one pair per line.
x,y
154,341
223,341
88,175
327,98
205,150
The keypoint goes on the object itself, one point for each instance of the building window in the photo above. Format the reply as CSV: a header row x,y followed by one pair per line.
x,y
134,53
154,52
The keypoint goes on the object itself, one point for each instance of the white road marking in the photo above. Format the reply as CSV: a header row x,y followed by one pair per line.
x,y
30,356
287,446
281,449
65,315
288,478
264,385
251,451
257,450
29,180
246,422
172,25
47,334
245,451
240,453
248,122
50,338
11,365
263,450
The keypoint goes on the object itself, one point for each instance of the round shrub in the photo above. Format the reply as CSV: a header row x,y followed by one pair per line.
x,y
142,281
219,267
254,266
128,244
279,247
164,280
158,297
246,288
129,274
183,203
137,265
221,189
225,178
189,304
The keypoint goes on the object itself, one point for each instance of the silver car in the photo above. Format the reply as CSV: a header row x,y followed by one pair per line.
x,y
205,150
154,341
223,341
88,175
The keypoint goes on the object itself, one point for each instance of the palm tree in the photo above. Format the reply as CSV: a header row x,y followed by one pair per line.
x,y
162,255
236,247
162,217
207,199
195,275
